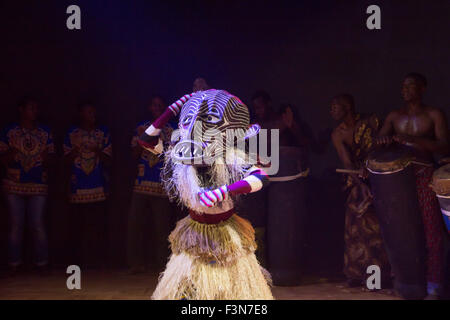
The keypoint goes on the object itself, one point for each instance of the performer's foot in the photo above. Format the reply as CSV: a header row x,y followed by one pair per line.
x,y
432,297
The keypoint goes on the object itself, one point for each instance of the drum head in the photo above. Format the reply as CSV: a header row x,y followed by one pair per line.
x,y
389,159
441,181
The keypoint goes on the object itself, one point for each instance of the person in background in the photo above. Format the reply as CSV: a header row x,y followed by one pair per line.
x,y
353,138
27,151
294,133
254,207
200,84
287,200
88,151
262,110
151,214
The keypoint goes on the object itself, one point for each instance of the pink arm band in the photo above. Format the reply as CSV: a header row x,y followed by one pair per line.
x,y
256,180
163,119
239,187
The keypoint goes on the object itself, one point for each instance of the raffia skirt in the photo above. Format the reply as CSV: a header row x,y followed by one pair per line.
x,y
213,261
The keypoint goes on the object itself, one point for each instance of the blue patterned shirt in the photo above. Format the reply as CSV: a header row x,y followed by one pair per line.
x,y
148,180
88,177
26,174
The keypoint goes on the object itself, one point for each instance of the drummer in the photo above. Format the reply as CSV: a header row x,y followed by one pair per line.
x,y
352,139
424,129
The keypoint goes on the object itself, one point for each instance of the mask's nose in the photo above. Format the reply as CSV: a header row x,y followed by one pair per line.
x,y
191,146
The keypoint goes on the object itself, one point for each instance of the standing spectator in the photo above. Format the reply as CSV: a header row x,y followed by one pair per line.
x,y
26,149
149,204
87,149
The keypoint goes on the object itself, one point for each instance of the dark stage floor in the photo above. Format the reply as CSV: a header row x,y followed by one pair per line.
x,y
110,285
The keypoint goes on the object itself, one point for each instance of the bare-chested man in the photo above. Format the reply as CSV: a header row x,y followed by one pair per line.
x,y
424,129
353,139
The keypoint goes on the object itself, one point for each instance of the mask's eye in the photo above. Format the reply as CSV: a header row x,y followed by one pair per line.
x,y
186,121
210,118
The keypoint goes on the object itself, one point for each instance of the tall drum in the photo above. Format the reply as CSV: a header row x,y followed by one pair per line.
x,y
286,218
441,185
395,199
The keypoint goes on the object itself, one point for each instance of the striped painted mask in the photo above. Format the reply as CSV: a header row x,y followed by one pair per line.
x,y
210,123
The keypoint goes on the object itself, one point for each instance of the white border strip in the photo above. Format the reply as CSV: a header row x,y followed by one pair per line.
x,y
387,172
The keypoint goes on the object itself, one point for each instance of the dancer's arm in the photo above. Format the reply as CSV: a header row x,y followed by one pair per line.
x,y
255,181
150,138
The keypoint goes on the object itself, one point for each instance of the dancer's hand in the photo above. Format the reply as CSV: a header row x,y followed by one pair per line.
x,y
210,198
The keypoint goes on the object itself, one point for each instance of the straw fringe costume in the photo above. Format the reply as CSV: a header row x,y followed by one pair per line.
x,y
213,249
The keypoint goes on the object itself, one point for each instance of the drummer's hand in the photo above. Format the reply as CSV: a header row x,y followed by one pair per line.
x,y
383,140
210,198
364,173
403,139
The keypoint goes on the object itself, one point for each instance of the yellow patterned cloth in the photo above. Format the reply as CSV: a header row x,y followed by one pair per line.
x,y
363,243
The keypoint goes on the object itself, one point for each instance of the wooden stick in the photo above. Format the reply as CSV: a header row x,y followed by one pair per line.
x,y
349,171
422,163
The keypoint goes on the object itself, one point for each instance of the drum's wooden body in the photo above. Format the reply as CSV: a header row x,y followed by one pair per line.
x,y
395,199
286,219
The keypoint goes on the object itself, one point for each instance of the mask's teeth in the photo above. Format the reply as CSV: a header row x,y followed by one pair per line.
x,y
188,151
196,152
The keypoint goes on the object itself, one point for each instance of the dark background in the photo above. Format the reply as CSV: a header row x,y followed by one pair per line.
x,y
303,53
